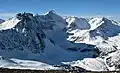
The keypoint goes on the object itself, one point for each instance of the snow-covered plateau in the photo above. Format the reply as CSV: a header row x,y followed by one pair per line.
x,y
50,41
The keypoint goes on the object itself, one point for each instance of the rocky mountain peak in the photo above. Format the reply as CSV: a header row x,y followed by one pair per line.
x,y
51,12
22,16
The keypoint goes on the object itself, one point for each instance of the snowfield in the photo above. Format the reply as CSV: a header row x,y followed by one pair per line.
x,y
25,64
9,24
90,64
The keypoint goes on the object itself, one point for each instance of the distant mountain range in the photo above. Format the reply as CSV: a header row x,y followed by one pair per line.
x,y
1,21
30,41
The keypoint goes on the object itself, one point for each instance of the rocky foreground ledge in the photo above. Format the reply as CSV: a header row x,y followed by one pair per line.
x,y
6,70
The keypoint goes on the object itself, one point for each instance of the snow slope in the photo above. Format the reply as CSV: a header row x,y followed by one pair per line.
x,y
9,24
80,23
96,22
100,30
24,64
90,64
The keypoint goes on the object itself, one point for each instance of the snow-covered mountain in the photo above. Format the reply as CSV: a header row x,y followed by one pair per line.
x,y
104,33
53,40
77,23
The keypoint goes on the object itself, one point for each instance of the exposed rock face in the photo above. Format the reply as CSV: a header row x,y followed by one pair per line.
x,y
26,35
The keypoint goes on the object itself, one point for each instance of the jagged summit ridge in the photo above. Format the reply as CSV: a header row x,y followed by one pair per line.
x,y
96,22
22,16
50,12
77,23
103,27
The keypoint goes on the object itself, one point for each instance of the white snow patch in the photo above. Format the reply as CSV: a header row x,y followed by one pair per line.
x,y
25,64
9,24
93,64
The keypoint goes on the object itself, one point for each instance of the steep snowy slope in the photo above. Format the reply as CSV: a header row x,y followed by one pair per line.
x,y
103,28
9,24
77,23
96,22
77,28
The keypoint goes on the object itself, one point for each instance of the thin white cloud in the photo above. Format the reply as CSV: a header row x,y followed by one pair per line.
x,y
6,15
114,17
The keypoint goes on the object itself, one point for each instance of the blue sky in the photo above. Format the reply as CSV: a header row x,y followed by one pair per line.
x,y
110,8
